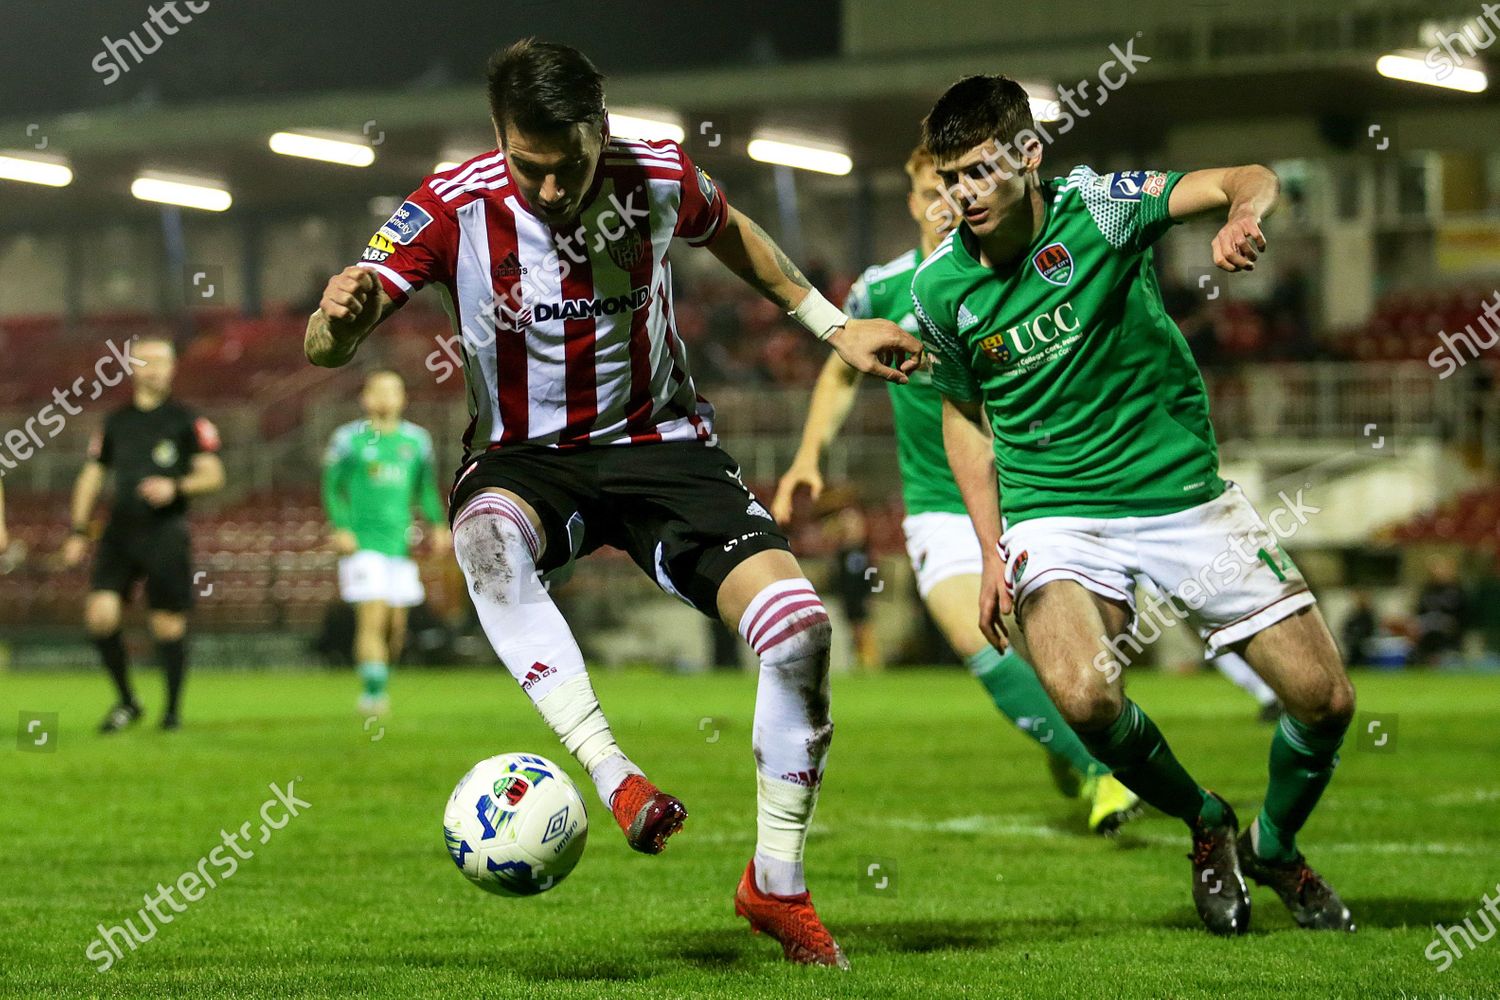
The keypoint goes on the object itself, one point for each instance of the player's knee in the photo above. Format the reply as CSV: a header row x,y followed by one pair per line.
x,y
492,551
1087,706
965,638
101,619
818,637
1331,707
804,649
168,626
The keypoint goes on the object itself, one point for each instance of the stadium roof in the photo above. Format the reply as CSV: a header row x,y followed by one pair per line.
x,y
867,104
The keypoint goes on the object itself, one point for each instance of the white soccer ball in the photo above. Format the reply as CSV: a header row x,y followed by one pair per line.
x,y
515,825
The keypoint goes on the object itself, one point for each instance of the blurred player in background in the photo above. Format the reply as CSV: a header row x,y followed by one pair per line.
x,y
587,430
161,453
940,539
374,471
852,579
1042,317
4,537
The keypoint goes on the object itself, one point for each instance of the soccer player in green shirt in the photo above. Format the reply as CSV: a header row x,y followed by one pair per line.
x,y
375,469
940,539
1042,317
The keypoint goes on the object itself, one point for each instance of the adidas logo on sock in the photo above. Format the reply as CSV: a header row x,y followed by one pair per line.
x,y
510,267
535,674
966,318
808,779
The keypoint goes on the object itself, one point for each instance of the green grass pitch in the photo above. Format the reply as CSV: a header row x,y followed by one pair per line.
x,y
992,886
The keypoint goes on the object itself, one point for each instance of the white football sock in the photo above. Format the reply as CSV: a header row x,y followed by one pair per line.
x,y
574,715
1234,667
787,626
497,548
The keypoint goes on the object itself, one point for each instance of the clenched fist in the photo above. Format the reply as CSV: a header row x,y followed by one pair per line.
x,y
352,304
1239,244
351,301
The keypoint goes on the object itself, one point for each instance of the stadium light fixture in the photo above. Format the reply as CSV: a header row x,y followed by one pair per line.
x,y
794,154
50,171
453,156
1045,105
345,152
1044,110
185,192
624,126
1413,68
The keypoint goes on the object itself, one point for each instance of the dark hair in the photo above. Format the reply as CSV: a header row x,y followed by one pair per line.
x,y
973,111
543,87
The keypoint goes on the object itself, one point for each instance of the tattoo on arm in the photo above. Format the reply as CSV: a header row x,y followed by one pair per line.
x,y
325,348
784,263
319,345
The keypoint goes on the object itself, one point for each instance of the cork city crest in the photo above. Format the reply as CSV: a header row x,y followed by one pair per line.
x,y
1054,263
1018,568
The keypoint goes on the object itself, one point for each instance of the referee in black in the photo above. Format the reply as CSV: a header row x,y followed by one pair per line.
x,y
161,454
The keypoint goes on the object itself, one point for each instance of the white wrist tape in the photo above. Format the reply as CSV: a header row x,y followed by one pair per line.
x,y
820,316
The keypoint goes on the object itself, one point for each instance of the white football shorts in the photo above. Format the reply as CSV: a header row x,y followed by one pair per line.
x,y
375,576
1218,563
940,545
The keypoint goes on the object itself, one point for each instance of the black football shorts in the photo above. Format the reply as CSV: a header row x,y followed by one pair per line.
x,y
161,554
679,508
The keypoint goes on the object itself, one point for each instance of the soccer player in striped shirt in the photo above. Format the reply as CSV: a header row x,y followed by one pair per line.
x,y
940,538
587,430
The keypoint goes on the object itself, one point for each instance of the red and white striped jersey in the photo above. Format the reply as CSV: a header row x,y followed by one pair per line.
x,y
568,335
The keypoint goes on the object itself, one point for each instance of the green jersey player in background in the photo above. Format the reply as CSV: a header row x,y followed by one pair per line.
x,y
1041,313
940,539
375,469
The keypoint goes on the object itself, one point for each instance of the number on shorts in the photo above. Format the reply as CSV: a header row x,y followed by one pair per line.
x,y
1277,568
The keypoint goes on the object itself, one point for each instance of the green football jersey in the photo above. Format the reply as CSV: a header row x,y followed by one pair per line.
x,y
927,485
1096,404
371,480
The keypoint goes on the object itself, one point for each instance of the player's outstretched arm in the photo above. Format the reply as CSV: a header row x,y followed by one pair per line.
x,y
832,398
1249,192
353,304
867,345
973,464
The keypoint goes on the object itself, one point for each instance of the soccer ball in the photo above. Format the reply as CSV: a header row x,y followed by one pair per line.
x,y
515,825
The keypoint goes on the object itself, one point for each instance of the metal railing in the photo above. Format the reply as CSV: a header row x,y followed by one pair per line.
x,y
1269,404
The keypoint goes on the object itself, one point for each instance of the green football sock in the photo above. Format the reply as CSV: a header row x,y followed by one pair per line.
x,y
1137,753
1302,763
1013,684
374,676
